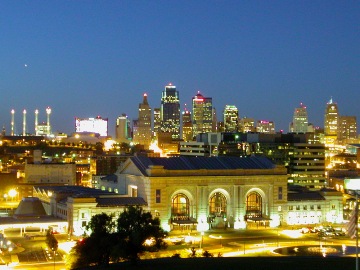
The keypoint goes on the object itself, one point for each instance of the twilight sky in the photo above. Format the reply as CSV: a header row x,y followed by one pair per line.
x,y
89,58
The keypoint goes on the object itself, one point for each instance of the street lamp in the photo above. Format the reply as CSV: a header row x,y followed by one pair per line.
x,y
202,240
12,193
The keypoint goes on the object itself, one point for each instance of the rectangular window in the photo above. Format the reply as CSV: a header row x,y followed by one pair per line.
x,y
319,207
280,193
311,207
333,207
298,207
291,207
305,207
83,224
158,196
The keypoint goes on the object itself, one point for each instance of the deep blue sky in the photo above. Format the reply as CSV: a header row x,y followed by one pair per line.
x,y
89,58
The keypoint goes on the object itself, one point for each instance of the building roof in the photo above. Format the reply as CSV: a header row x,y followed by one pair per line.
x,y
73,190
120,201
206,163
300,193
30,207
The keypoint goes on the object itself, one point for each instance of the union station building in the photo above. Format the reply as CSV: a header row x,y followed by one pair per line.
x,y
203,193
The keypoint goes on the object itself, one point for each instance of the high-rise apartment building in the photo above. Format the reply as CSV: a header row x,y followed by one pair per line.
x,y
231,118
122,129
331,122
202,114
170,112
143,134
347,128
300,120
187,127
264,126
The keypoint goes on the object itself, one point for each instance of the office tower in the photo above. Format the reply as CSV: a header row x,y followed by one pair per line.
x,y
95,125
331,122
157,122
143,134
247,125
264,126
122,129
347,129
170,112
300,120
187,128
202,114
231,118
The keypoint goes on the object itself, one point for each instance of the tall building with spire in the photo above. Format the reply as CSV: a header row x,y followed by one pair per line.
x,y
170,112
331,122
187,127
231,118
202,114
143,134
300,120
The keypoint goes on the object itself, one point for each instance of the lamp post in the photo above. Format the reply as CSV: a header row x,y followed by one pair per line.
x,y
202,240
353,186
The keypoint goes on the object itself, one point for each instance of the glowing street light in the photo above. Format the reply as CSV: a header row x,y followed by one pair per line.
x,y
12,193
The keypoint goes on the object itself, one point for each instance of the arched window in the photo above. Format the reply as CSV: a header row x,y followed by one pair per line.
x,y
218,204
180,207
254,205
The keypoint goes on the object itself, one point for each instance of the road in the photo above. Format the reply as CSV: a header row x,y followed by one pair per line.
x,y
227,243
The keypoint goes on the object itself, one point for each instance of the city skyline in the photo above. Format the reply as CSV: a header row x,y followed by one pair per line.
x,y
264,58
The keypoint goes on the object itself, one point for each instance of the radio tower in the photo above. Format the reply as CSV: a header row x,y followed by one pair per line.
x,y
48,112
12,122
36,121
24,122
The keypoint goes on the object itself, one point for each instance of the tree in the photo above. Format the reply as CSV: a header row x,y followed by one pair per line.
x,y
135,226
51,241
97,248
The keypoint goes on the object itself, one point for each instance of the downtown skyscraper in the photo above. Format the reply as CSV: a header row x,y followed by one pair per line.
x,y
331,123
202,117
143,133
300,120
231,118
170,112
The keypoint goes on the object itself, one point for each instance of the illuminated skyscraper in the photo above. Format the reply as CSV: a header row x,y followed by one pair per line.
x,y
231,118
143,134
264,126
170,112
331,122
347,129
202,114
122,129
247,125
300,120
187,128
